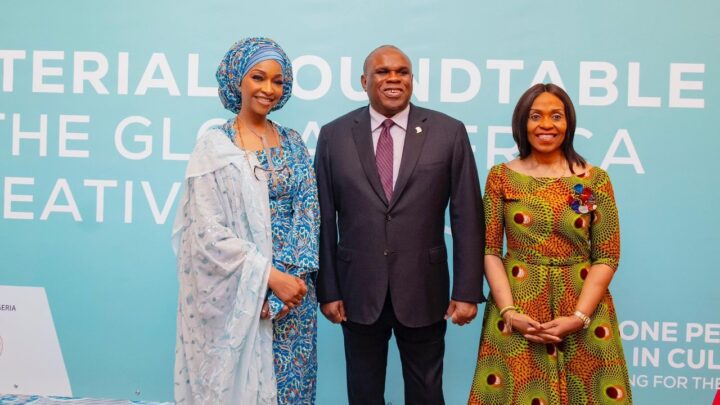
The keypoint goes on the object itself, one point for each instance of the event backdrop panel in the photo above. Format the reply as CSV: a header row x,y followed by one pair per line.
x,y
101,103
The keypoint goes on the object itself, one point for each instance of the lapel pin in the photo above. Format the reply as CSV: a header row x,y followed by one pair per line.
x,y
418,130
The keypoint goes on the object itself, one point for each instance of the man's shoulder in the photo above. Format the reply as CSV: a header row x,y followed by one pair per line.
x,y
436,116
343,120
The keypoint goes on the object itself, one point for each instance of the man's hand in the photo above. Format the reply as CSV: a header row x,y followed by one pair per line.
x,y
461,313
334,311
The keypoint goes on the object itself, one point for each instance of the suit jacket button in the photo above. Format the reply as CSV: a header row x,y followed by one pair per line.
x,y
386,252
388,217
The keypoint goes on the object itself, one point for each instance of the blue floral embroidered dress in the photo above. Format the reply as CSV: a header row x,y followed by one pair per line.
x,y
295,218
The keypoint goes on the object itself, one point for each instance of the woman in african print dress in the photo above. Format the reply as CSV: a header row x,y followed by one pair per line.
x,y
246,237
550,334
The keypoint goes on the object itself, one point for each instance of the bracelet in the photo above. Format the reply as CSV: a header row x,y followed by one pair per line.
x,y
584,318
507,308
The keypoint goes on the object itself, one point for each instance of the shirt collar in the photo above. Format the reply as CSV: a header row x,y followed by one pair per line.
x,y
400,119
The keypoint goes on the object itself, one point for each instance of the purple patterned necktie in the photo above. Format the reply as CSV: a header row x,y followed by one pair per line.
x,y
384,158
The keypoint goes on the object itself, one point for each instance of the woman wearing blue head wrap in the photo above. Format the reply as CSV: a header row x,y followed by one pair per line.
x,y
246,238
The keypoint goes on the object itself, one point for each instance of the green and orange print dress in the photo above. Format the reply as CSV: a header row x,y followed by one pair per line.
x,y
556,229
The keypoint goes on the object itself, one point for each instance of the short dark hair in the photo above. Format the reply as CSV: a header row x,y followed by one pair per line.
x,y
522,113
386,46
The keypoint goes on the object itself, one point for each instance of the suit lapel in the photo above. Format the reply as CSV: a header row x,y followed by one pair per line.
x,y
363,142
414,139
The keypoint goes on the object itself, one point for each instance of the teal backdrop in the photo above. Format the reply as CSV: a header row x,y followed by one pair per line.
x,y
102,101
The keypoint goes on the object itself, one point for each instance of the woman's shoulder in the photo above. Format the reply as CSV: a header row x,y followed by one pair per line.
x,y
596,173
212,151
292,140
503,168
287,133
212,140
512,164
599,179
497,172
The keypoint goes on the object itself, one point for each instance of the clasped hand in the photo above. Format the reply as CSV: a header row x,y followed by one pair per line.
x,y
290,289
549,332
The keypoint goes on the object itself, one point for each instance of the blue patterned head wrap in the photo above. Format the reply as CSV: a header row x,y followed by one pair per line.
x,y
242,56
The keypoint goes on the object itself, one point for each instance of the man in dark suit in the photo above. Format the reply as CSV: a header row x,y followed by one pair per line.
x,y
385,175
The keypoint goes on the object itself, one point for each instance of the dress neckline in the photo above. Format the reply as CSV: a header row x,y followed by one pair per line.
x,y
281,139
582,175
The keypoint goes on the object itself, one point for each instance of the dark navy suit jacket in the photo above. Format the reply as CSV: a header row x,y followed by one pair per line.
x,y
369,246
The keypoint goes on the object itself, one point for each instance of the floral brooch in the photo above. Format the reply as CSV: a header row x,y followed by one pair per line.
x,y
582,199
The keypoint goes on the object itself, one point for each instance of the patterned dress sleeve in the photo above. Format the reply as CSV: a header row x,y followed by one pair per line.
x,y
605,225
275,305
494,213
300,252
301,248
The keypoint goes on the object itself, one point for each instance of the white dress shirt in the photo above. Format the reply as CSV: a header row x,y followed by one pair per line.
x,y
397,132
